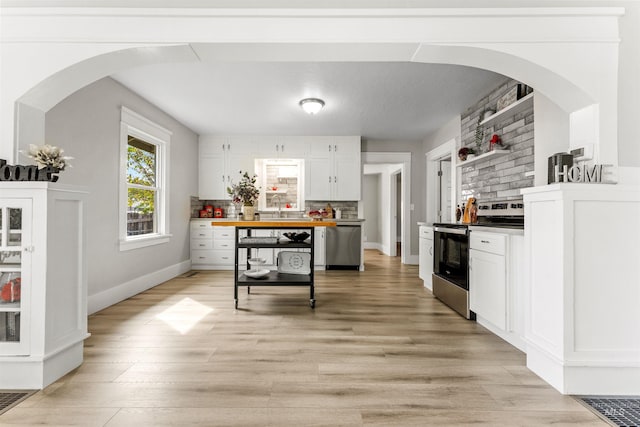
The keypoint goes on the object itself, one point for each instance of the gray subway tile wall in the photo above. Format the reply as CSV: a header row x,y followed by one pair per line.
x,y
498,178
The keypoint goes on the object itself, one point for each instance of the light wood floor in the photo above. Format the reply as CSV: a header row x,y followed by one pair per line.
x,y
378,350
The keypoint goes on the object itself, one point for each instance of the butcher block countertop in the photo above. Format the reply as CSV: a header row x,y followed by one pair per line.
x,y
274,223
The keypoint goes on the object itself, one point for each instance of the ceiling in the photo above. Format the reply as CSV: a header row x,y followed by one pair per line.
x,y
377,100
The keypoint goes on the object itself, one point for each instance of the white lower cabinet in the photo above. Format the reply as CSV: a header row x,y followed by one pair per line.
x,y
425,255
495,283
212,248
487,273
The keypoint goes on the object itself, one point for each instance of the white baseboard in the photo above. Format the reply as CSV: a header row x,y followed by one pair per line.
x,y
374,245
413,259
582,379
133,287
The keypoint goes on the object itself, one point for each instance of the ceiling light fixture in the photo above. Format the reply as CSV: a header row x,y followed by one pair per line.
x,y
311,105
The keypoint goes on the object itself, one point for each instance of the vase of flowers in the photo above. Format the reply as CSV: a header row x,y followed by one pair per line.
x,y
48,155
245,192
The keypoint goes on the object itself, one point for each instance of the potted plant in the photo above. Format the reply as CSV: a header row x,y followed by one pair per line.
x,y
246,193
465,152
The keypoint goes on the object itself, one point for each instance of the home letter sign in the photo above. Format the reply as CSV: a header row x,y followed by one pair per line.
x,y
579,173
26,173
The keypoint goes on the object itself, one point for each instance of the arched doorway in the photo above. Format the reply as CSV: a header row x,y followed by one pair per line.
x,y
568,55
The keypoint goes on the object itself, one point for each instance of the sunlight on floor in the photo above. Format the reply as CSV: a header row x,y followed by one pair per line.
x,y
184,315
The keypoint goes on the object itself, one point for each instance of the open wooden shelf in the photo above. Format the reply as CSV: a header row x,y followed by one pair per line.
x,y
485,156
513,109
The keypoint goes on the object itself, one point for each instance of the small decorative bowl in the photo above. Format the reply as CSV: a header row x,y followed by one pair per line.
x,y
257,261
297,237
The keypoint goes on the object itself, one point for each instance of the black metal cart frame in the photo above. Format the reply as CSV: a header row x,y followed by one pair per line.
x,y
274,278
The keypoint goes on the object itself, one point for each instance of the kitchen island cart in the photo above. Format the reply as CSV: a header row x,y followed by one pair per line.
x,y
245,240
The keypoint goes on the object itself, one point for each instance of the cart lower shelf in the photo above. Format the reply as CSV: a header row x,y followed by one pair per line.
x,y
275,278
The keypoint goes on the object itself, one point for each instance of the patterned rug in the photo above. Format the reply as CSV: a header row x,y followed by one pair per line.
x,y
9,399
618,411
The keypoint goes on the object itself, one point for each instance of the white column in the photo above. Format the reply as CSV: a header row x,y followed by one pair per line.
x,y
583,290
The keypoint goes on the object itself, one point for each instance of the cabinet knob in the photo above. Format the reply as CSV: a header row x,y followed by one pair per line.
x,y
28,248
484,241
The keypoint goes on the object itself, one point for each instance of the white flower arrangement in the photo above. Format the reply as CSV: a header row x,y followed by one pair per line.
x,y
48,155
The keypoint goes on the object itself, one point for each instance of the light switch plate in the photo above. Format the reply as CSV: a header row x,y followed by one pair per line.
x,y
583,153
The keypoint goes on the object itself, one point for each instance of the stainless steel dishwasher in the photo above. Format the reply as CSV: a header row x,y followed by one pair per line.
x,y
343,246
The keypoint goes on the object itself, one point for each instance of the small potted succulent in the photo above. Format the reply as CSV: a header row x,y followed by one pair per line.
x,y
464,153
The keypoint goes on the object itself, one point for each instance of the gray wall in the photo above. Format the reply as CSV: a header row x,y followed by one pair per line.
x,y
371,200
87,126
418,194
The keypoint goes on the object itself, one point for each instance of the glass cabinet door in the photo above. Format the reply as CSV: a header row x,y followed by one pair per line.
x,y
15,260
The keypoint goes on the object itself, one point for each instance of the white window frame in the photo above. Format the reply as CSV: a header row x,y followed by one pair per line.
x,y
132,123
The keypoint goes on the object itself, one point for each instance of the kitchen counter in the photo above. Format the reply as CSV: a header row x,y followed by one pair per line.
x,y
302,223
488,228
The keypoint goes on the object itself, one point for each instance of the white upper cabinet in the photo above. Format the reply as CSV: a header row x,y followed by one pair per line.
x,y
332,164
333,169
283,147
220,161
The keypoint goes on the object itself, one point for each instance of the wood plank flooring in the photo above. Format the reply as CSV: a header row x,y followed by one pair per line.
x,y
378,350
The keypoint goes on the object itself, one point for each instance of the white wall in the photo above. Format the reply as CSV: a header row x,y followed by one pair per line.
x,y
87,126
551,134
449,130
371,201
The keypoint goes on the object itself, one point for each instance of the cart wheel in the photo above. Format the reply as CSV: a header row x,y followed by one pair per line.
x,y
236,303
312,303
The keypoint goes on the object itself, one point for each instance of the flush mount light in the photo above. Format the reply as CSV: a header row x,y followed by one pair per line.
x,y
311,105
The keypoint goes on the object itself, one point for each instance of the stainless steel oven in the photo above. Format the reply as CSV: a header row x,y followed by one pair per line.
x,y
451,267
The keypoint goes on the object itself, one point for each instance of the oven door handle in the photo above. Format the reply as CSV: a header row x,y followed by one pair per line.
x,y
460,231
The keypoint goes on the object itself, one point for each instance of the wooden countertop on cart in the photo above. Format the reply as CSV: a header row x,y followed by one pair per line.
x,y
274,223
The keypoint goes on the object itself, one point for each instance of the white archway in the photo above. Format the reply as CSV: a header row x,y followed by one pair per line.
x,y
48,55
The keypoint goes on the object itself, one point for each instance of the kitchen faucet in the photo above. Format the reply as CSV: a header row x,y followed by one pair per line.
x,y
277,196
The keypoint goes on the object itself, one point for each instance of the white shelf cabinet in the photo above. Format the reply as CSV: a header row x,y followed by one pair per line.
x,y
43,241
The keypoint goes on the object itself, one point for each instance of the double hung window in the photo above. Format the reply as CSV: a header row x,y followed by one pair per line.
x,y
144,211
